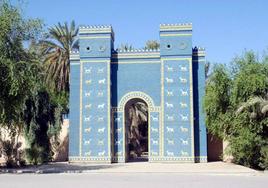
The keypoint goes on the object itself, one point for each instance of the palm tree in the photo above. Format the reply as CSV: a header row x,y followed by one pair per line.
x,y
126,47
257,106
56,50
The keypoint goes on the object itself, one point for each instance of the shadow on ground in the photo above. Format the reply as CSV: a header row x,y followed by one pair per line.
x,y
57,168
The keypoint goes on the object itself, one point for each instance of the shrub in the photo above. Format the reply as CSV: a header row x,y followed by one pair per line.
x,y
236,106
264,157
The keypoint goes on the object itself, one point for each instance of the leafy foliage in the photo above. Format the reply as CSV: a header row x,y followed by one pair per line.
x,y
61,39
217,101
18,69
12,152
42,123
25,103
126,47
152,45
264,158
137,122
236,108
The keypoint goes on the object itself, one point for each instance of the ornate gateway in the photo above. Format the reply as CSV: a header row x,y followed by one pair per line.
x,y
171,81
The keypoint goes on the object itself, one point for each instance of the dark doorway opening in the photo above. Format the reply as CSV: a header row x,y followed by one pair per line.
x,y
136,127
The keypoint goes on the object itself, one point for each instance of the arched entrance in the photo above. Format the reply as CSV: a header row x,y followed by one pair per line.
x,y
150,139
136,130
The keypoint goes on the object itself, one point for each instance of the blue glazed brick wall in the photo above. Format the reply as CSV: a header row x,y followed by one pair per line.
x,y
155,133
118,147
95,110
74,110
177,114
199,92
175,45
171,81
143,77
95,47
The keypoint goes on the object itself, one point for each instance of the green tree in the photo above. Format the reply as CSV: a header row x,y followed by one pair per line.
x,y
236,108
152,45
19,70
21,84
217,100
256,106
61,39
126,47
42,124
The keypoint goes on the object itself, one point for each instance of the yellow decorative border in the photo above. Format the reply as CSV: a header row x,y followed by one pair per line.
x,y
91,31
176,28
135,94
96,61
109,108
80,159
74,57
136,62
95,37
175,34
197,159
162,105
137,57
199,60
199,54
74,63
191,102
81,110
135,53
173,159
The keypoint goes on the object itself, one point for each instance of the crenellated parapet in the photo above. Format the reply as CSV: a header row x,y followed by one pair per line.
x,y
96,29
74,55
199,51
176,39
176,27
136,50
141,54
96,41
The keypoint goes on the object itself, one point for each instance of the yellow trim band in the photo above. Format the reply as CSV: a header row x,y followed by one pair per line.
x,y
94,37
177,34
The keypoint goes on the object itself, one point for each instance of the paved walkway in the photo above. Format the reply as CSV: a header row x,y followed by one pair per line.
x,y
131,180
138,167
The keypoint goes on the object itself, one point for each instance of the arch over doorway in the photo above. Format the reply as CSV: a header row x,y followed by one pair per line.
x,y
136,95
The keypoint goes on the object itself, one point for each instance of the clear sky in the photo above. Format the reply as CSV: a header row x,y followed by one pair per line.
x,y
224,27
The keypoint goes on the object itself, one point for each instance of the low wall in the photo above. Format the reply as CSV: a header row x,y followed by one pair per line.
x,y
60,155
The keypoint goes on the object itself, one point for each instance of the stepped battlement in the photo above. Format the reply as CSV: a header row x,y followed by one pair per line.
x,y
96,29
74,52
100,27
174,27
199,51
136,50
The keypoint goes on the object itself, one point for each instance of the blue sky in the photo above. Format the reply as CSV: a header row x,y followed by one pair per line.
x,y
225,28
